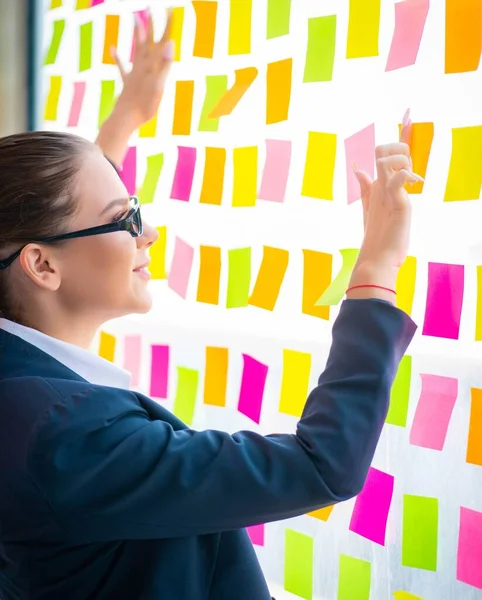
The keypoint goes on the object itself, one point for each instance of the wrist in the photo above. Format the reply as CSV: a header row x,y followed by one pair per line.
x,y
373,280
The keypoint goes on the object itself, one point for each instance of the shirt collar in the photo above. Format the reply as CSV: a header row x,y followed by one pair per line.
x,y
88,365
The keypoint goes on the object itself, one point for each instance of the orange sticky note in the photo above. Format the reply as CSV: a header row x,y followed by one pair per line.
x,y
176,30
270,278
157,267
216,376
463,35
406,284
245,176
213,179
183,108
107,346
111,38
209,275
244,78
420,148
319,171
317,270
323,514
240,26
206,13
474,443
278,90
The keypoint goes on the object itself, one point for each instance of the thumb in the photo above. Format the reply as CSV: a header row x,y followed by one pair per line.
x,y
118,62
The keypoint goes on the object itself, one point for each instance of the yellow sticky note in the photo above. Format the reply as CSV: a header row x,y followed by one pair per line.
x,y
278,90
323,514
209,275
319,166
176,30
294,382
363,28
270,278
82,4
406,284
243,80
149,129
478,318
245,183
53,97
216,376
55,4
157,268
465,172
107,346
240,26
405,596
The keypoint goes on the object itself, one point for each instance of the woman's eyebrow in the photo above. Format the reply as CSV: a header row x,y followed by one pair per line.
x,y
112,203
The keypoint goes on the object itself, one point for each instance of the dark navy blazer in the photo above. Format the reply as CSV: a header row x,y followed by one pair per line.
x,y
105,495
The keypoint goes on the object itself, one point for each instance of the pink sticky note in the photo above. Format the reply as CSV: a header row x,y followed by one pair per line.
x,y
96,2
256,534
276,170
410,18
445,295
186,164
469,554
128,172
178,278
370,514
159,371
359,150
77,100
434,410
252,388
143,16
132,357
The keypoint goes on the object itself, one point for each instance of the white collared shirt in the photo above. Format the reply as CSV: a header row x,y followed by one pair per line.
x,y
88,365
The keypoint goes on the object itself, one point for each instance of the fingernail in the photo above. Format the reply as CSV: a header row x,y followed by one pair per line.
x,y
355,168
137,20
113,51
415,178
406,119
168,51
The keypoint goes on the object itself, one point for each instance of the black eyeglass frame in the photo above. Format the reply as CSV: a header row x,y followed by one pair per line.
x,y
131,223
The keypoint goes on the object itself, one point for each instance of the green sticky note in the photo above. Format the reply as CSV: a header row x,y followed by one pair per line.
x,y
239,277
154,167
107,99
85,54
353,579
216,86
320,51
185,400
279,12
337,288
400,394
57,33
420,532
299,564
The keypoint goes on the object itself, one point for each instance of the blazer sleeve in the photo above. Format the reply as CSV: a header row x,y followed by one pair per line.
x,y
127,477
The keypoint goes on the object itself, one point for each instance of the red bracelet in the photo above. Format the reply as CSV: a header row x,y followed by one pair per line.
x,y
370,285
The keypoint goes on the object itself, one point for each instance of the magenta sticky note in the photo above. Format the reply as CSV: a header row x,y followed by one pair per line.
x,y
128,172
276,170
96,2
410,19
132,358
359,151
256,534
159,371
184,175
469,552
77,101
434,411
445,294
252,388
143,16
180,271
372,506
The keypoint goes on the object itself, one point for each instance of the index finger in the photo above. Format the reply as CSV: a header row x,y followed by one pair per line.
x,y
166,36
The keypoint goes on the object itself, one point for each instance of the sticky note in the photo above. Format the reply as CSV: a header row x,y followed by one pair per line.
x,y
107,346
96,2
245,176
465,172
186,392
228,102
420,532
363,28
111,38
405,287
213,179
278,18
252,388
216,86
76,106
128,172
400,595
410,19
216,376
149,128
336,290
276,170
359,151
478,316
316,279
298,571
55,4
157,251
474,440
132,358
354,579
319,170
143,17
295,382
400,394
183,108
176,31
463,35
420,147
85,54
322,514
372,506
278,90
82,4
469,553
147,191
184,174
434,411
320,50
240,14
107,100
445,296
58,28
159,371
256,534
239,277
178,278
206,13
209,275
53,97
270,278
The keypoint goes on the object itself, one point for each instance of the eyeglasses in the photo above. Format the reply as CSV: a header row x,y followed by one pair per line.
x,y
132,223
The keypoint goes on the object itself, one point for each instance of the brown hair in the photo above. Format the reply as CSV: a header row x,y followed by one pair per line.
x,y
37,182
